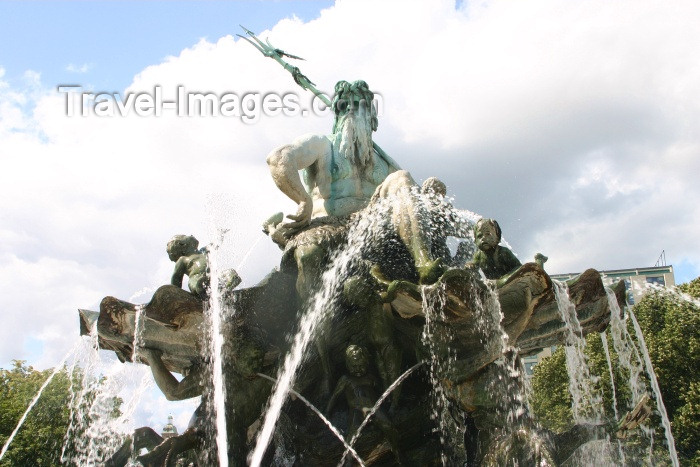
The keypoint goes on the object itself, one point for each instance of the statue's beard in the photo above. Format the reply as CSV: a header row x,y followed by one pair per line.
x,y
356,137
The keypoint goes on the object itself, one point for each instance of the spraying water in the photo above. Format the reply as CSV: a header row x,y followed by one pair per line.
x,y
331,427
657,392
389,390
56,370
215,312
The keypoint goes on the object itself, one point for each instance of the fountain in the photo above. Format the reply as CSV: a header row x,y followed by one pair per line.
x,y
413,352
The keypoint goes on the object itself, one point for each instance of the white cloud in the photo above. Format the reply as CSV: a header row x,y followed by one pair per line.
x,y
575,125
84,68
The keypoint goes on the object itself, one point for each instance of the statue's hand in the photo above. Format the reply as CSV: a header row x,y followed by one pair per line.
x,y
303,216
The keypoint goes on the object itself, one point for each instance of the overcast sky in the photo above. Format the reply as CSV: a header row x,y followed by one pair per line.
x,y
574,124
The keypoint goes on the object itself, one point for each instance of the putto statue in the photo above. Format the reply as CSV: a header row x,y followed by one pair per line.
x,y
182,250
431,332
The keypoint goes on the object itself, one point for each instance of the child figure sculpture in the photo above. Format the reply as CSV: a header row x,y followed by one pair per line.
x,y
182,249
495,260
359,389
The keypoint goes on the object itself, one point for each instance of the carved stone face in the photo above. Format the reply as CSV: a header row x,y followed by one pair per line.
x,y
486,236
356,360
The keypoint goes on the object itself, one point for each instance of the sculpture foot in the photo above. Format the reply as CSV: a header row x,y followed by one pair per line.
x,y
430,273
633,419
399,286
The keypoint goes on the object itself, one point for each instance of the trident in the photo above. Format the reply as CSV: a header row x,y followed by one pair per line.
x,y
269,50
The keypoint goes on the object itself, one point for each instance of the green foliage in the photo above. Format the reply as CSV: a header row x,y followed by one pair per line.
x,y
686,423
40,439
671,328
551,400
692,288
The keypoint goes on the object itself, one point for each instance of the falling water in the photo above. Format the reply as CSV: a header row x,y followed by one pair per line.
x,y
376,406
606,348
139,326
361,233
90,348
56,370
657,392
587,404
604,339
94,431
629,360
438,363
509,385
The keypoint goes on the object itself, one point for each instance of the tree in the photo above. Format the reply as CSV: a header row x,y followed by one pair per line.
x,y
40,439
551,400
671,328
670,324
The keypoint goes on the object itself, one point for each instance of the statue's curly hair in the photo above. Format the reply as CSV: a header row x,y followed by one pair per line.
x,y
180,244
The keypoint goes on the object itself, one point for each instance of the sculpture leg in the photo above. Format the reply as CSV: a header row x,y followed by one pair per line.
x,y
310,259
380,330
390,433
388,354
143,437
411,222
166,453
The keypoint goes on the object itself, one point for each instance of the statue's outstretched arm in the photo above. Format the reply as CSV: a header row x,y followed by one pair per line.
x,y
342,382
174,390
285,163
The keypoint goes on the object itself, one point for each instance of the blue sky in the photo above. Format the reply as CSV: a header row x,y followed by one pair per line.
x,y
117,39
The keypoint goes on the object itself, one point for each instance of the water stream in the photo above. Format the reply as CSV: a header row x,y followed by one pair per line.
x,y
214,313
604,339
657,392
376,406
331,427
57,369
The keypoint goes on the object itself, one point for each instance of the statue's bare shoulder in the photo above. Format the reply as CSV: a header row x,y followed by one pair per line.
x,y
302,152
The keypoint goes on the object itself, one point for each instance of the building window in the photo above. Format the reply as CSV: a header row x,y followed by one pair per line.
x,y
656,281
628,289
529,366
